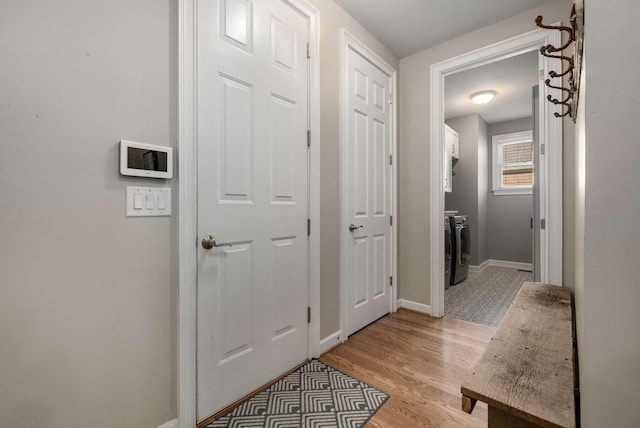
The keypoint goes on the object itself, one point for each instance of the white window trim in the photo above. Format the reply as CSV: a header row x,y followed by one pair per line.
x,y
496,140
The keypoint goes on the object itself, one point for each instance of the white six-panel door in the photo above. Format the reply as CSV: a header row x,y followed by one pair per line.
x,y
368,173
252,160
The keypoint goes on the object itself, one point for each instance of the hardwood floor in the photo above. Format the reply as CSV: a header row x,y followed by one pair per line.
x,y
420,362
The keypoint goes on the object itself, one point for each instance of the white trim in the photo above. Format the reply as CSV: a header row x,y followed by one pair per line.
x,y
330,342
550,163
171,424
496,172
187,260
309,10
414,306
513,191
512,265
501,263
187,225
479,268
350,41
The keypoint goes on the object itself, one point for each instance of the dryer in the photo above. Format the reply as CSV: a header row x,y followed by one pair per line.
x,y
461,248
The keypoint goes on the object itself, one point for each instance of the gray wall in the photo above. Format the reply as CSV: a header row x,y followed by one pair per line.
x,y
88,296
607,200
88,299
509,224
469,183
333,18
414,174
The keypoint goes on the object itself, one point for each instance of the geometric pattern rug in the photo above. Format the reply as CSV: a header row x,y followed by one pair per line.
x,y
484,297
315,395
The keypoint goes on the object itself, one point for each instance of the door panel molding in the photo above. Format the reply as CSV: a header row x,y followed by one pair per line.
x,y
187,200
381,102
550,163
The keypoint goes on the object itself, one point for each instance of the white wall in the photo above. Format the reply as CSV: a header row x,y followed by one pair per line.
x,y
414,175
607,271
87,296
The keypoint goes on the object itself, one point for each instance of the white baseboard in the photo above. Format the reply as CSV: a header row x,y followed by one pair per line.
x,y
479,268
513,265
170,424
330,342
414,306
501,263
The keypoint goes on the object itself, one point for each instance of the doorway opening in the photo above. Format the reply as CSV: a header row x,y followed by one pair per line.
x,y
489,187
549,137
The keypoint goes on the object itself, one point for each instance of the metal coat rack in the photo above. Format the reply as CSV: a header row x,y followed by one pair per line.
x,y
569,101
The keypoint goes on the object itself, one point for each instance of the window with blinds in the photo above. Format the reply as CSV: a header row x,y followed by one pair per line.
x,y
513,163
517,164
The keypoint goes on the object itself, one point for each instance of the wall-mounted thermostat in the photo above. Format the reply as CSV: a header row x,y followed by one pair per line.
x,y
145,160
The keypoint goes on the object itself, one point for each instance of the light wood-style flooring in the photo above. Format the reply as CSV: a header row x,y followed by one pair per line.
x,y
421,363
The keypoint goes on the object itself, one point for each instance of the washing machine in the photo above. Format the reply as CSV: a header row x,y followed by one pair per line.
x,y
461,248
448,252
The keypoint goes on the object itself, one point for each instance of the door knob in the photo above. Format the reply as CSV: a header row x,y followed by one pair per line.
x,y
209,242
353,227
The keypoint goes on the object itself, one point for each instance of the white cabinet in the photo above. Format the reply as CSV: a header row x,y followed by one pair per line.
x,y
448,173
451,142
451,152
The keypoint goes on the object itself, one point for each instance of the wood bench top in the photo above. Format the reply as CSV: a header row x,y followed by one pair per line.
x,y
527,370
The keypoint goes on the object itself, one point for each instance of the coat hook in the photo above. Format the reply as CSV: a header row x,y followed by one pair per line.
x,y
548,51
569,30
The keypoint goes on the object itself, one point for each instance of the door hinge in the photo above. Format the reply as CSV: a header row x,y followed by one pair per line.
x,y
390,159
541,74
543,224
390,98
308,314
308,51
391,281
309,138
308,227
541,149
391,220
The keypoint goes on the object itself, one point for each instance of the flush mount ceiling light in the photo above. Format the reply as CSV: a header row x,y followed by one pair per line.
x,y
482,97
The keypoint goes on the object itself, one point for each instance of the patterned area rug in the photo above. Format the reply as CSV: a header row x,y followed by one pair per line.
x,y
315,395
484,297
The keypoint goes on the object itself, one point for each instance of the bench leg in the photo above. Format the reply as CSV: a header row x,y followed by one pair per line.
x,y
468,404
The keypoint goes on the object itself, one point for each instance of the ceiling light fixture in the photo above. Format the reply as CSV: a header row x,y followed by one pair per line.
x,y
482,97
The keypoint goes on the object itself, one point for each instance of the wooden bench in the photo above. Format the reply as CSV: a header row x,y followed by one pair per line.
x,y
527,372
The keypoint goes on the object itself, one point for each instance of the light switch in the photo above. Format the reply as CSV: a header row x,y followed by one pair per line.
x,y
148,201
151,201
137,201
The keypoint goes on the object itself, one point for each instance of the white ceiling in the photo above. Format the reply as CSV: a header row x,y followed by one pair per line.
x,y
511,78
409,26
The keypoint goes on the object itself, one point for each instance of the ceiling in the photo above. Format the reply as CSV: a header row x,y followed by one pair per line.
x,y
511,78
409,26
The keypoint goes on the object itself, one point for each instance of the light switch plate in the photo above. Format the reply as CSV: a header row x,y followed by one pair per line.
x,y
153,194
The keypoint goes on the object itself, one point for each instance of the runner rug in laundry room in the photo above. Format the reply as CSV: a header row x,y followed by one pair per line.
x,y
315,395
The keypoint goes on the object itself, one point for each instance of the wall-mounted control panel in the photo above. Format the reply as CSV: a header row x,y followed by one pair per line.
x,y
145,160
148,201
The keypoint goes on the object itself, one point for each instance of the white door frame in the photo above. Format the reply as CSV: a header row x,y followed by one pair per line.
x,y
187,200
351,42
550,163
